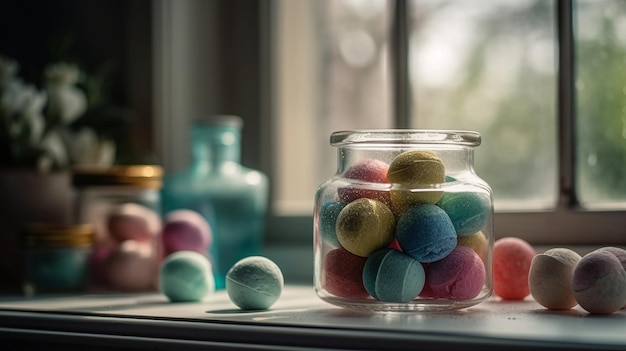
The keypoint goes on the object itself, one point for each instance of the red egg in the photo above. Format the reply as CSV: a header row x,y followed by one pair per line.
x,y
369,170
512,258
343,274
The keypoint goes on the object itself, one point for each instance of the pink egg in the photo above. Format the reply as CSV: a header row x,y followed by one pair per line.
x,y
458,276
511,263
186,230
133,266
343,274
133,222
369,170
599,283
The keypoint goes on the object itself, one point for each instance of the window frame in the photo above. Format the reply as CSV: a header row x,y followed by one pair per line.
x,y
567,224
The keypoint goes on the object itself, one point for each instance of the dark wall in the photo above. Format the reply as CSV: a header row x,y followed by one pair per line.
x,y
96,34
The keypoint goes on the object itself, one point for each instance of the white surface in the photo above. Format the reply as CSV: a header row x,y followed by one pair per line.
x,y
299,307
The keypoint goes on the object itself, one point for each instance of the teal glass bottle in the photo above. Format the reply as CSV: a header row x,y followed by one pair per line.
x,y
231,197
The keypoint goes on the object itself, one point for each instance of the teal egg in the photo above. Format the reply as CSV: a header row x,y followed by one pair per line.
x,y
254,283
391,276
186,276
468,211
328,214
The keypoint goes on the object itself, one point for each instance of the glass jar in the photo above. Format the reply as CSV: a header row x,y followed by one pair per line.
x,y
405,224
231,197
56,258
123,204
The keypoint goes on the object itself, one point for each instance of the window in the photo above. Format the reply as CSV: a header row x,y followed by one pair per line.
x,y
539,80
542,81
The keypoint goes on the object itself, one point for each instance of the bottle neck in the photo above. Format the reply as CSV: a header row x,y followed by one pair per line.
x,y
215,148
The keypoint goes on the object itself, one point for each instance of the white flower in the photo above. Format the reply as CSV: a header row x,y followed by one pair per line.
x,y
62,74
22,107
87,150
65,100
8,69
55,152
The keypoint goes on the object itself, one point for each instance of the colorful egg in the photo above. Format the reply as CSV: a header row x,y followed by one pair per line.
x,y
365,171
364,226
254,283
413,174
511,263
343,274
186,276
426,233
550,278
391,276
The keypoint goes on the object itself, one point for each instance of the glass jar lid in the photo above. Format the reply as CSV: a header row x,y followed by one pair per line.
x,y
142,176
396,137
58,235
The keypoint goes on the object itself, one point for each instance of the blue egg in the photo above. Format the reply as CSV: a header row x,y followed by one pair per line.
x,y
469,212
391,276
426,233
328,219
254,283
186,276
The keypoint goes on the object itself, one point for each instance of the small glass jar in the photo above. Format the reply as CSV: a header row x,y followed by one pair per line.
x,y
122,203
56,258
405,224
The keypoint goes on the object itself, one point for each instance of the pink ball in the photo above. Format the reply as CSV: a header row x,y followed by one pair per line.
x,y
512,258
458,276
186,230
133,266
369,170
133,222
599,282
343,274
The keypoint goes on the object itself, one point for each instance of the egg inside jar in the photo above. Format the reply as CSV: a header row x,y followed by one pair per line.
x,y
405,224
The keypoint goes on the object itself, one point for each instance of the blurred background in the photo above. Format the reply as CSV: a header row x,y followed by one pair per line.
x,y
297,70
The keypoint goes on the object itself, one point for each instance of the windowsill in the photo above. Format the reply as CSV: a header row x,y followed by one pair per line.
x,y
296,259
298,320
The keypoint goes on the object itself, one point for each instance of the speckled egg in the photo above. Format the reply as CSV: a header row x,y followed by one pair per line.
x,y
364,226
185,230
599,283
550,278
468,211
391,276
512,257
254,283
426,233
411,170
365,171
186,276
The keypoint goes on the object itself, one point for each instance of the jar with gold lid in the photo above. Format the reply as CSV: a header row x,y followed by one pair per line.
x,y
56,258
123,204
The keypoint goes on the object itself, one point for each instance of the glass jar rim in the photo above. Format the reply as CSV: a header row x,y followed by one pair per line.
x,y
396,137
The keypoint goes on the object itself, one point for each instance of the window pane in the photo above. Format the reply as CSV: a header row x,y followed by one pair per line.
x,y
600,36
489,66
332,75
